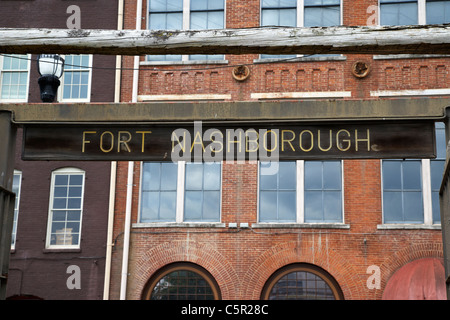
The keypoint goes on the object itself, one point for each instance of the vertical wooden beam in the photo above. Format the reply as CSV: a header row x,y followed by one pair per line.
x,y
444,198
7,197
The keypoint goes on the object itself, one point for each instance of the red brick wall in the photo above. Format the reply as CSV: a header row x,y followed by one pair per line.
x,y
241,260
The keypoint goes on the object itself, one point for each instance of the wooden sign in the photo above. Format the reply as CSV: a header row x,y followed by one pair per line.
x,y
198,141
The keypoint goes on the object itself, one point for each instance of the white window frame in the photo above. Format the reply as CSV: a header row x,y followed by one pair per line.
x,y
62,171
60,96
16,209
300,202
186,26
179,217
426,200
28,81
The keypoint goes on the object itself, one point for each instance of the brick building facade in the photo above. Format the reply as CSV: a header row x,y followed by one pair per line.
x,y
51,246
255,240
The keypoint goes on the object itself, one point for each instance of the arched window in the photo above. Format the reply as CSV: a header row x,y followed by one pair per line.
x,y
65,208
301,282
182,281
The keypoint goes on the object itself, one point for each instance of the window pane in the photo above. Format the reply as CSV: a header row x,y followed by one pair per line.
x,y
150,206
193,205
287,206
194,176
412,175
332,202
268,206
287,175
182,285
211,206
436,207
59,203
322,17
392,178
438,12
313,206
74,203
398,13
169,173
413,207
392,207
160,203
313,175
437,171
167,209
332,175
440,141
60,192
151,176
211,176
267,178
269,18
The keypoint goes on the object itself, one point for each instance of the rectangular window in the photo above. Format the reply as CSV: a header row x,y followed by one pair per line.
x,y
402,191
411,187
76,79
17,181
300,192
299,13
277,192
411,12
14,77
202,192
186,15
180,192
398,12
159,191
323,191
437,12
322,13
66,206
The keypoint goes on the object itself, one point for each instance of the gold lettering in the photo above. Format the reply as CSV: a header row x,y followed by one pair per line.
x,y
84,139
288,141
143,137
318,142
123,142
338,143
301,140
249,141
358,140
265,141
195,141
112,141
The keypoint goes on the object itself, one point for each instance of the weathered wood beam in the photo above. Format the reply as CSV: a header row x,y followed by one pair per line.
x,y
429,39
240,112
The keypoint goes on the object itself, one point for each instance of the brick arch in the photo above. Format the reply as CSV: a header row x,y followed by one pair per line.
x,y
287,253
196,252
402,257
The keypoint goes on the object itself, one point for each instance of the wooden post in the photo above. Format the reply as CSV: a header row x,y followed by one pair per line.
x,y
444,197
7,197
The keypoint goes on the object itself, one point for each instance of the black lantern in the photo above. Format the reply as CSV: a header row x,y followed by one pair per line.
x,y
50,67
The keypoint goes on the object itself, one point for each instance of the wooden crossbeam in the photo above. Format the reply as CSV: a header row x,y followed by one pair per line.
x,y
429,39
